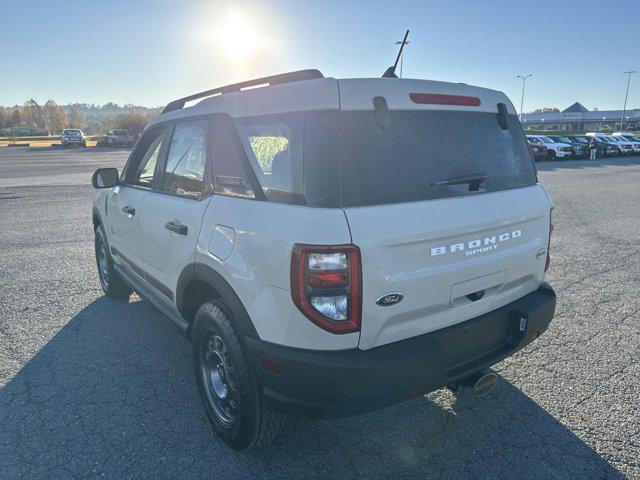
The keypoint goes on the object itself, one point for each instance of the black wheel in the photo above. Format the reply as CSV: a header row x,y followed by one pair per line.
x,y
84,144
112,283
551,155
228,384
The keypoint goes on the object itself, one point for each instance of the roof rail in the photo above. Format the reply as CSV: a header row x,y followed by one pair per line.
x,y
297,76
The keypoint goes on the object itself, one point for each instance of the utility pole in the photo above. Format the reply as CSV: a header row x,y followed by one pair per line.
x,y
626,96
402,42
524,82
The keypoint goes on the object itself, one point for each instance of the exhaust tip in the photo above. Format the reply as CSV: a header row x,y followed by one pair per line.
x,y
484,383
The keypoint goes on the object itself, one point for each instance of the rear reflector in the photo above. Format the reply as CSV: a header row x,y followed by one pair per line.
x,y
270,366
439,99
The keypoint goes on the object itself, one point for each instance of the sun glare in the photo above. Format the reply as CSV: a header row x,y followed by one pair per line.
x,y
236,37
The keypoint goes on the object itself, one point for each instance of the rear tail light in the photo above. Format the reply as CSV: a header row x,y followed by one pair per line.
x,y
547,263
326,285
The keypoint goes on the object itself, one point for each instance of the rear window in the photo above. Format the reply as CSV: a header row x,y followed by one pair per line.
x,y
420,150
349,158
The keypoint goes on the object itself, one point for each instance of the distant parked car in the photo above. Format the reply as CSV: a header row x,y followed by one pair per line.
x,y
538,152
555,150
624,148
120,138
602,149
73,136
628,137
628,148
612,149
579,149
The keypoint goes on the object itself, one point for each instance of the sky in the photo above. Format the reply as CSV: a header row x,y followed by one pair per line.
x,y
148,52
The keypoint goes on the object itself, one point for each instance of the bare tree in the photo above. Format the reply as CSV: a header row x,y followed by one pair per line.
x,y
4,118
132,122
17,119
75,119
55,117
33,116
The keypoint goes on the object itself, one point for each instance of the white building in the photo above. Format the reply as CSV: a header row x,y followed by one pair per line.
x,y
578,118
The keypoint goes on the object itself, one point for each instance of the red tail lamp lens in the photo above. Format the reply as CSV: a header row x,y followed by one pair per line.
x,y
326,285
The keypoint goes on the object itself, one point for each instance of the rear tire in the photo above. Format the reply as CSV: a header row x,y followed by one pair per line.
x,y
227,382
551,155
111,282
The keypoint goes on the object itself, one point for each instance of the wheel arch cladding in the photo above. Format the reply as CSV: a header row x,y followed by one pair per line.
x,y
199,283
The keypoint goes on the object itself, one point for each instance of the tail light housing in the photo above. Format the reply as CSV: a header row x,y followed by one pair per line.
x,y
326,285
547,263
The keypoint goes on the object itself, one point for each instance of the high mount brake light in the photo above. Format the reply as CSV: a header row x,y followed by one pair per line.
x,y
440,99
326,285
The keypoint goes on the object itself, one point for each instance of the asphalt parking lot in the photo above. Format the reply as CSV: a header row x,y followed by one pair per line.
x,y
90,387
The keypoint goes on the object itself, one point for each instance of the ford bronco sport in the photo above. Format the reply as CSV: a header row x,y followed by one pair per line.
x,y
330,246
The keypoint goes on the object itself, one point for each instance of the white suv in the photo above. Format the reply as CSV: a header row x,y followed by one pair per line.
x,y
331,246
555,150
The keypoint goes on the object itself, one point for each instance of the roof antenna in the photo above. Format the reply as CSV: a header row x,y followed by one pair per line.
x,y
391,71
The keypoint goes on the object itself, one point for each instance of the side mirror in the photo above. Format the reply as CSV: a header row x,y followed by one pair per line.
x,y
105,178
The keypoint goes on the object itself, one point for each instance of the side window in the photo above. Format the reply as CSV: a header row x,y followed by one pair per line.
x,y
273,144
144,159
229,174
186,160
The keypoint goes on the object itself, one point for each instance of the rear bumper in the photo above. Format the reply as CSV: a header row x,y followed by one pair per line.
x,y
347,382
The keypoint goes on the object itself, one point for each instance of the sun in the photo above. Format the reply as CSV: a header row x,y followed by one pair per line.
x,y
236,37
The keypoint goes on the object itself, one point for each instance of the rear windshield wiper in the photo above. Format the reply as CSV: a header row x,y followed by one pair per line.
x,y
474,181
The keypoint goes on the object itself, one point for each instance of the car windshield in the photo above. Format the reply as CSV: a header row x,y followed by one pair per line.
x,y
72,132
581,139
546,139
564,139
613,139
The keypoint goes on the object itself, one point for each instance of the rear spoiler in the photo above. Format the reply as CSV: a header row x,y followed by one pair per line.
x,y
290,77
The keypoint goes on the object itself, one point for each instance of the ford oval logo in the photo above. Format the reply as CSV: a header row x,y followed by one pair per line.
x,y
389,299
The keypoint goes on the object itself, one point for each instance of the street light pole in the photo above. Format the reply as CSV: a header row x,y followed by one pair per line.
x,y
524,82
626,96
400,42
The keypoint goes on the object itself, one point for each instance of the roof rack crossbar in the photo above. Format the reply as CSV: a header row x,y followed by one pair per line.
x,y
297,76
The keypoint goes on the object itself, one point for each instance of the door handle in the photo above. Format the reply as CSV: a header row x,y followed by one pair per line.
x,y
177,228
129,210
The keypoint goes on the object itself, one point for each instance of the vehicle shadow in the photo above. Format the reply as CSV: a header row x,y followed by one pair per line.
x,y
581,164
112,395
